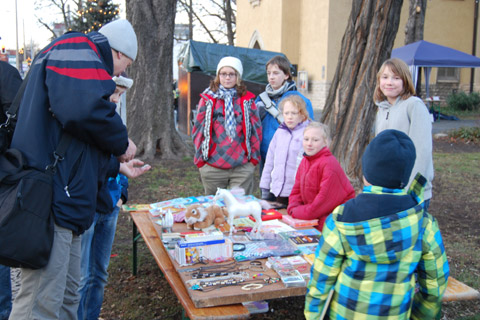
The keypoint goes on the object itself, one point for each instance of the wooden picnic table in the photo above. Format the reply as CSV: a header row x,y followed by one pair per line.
x,y
208,306
147,229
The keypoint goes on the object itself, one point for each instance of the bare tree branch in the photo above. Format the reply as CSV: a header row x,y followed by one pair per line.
x,y
222,11
189,9
56,6
48,27
206,28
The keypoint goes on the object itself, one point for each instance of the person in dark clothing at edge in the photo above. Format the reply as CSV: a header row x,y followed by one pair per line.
x,y
10,82
68,90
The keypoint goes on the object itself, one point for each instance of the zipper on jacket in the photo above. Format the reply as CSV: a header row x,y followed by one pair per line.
x,y
285,172
66,191
387,115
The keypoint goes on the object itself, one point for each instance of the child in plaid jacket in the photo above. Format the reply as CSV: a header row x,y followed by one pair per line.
x,y
372,246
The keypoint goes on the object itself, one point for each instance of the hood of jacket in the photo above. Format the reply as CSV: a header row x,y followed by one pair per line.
x,y
104,49
387,239
384,240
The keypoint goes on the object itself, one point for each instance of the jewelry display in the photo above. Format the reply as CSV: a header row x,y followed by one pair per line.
x,y
218,268
202,275
252,286
221,280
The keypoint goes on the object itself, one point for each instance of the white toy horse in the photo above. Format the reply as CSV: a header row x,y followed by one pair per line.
x,y
238,209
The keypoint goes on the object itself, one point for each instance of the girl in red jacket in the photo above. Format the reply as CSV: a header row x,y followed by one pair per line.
x,y
320,184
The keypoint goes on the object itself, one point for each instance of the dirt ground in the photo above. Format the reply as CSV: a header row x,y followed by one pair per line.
x,y
149,296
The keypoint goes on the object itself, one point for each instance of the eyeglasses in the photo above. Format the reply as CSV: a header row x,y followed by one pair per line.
x,y
229,75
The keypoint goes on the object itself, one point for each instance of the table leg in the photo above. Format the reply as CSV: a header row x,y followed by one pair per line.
x,y
135,237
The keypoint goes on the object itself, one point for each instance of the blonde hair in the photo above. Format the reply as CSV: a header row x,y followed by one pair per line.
x,y
298,102
399,68
240,85
323,127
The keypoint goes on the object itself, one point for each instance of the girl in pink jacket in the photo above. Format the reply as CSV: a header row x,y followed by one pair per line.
x,y
285,151
320,184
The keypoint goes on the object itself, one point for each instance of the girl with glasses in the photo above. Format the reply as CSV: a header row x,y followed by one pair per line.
x,y
227,131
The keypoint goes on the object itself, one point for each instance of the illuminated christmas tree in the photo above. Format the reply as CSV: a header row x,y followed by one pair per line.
x,y
93,14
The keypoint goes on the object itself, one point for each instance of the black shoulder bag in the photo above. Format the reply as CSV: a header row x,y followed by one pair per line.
x,y
26,219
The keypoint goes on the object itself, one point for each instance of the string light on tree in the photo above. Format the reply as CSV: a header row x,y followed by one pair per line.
x,y
94,14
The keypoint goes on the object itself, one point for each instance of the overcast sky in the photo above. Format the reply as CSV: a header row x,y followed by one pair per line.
x,y
40,36
26,17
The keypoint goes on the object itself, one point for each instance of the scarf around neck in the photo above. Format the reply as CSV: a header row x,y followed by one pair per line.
x,y
245,105
287,86
228,95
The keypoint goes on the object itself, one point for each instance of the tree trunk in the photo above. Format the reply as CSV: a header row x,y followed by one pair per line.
x,y
150,100
414,31
416,21
190,20
229,23
349,110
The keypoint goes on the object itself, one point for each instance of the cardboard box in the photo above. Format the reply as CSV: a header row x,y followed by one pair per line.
x,y
188,253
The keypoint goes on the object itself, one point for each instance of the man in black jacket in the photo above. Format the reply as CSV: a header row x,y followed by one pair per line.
x,y
68,88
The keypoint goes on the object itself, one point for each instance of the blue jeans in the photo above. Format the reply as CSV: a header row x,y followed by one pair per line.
x,y
97,244
5,292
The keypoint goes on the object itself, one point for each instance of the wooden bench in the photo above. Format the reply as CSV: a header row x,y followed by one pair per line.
x,y
457,291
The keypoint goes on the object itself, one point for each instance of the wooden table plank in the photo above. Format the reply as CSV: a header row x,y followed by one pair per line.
x,y
457,291
211,305
155,245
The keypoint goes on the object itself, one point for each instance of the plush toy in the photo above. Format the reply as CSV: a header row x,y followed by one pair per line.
x,y
199,217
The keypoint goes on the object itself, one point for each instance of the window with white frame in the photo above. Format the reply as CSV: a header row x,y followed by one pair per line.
x,y
448,75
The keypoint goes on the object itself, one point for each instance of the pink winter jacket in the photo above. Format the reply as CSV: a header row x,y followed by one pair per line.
x,y
320,186
281,164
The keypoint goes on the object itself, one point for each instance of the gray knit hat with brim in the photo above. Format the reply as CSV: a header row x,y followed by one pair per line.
x,y
121,37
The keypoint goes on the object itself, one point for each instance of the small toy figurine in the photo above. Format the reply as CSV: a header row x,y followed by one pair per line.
x,y
238,209
199,217
167,221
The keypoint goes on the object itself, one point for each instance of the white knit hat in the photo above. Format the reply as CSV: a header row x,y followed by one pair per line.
x,y
123,81
121,37
232,62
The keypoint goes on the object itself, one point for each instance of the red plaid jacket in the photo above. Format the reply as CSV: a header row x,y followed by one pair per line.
x,y
213,146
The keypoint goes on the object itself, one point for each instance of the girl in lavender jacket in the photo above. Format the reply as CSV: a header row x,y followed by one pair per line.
x,y
285,149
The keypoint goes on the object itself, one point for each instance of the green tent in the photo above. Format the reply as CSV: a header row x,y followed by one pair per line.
x,y
201,56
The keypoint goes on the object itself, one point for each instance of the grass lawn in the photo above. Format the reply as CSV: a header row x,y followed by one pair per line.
x,y
456,205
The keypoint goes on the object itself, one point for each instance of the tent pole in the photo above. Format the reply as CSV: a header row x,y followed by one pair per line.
x,y
418,89
474,45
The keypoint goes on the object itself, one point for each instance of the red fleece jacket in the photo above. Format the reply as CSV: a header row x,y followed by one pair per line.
x,y
320,186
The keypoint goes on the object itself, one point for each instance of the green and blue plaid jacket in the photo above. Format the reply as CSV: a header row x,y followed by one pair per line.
x,y
370,265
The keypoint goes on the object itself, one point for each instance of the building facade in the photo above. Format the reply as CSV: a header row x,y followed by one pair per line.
x,y
310,32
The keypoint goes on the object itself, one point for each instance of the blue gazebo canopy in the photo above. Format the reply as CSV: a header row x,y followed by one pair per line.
x,y
424,54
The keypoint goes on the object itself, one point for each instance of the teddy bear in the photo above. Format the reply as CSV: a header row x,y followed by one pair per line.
x,y
199,217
